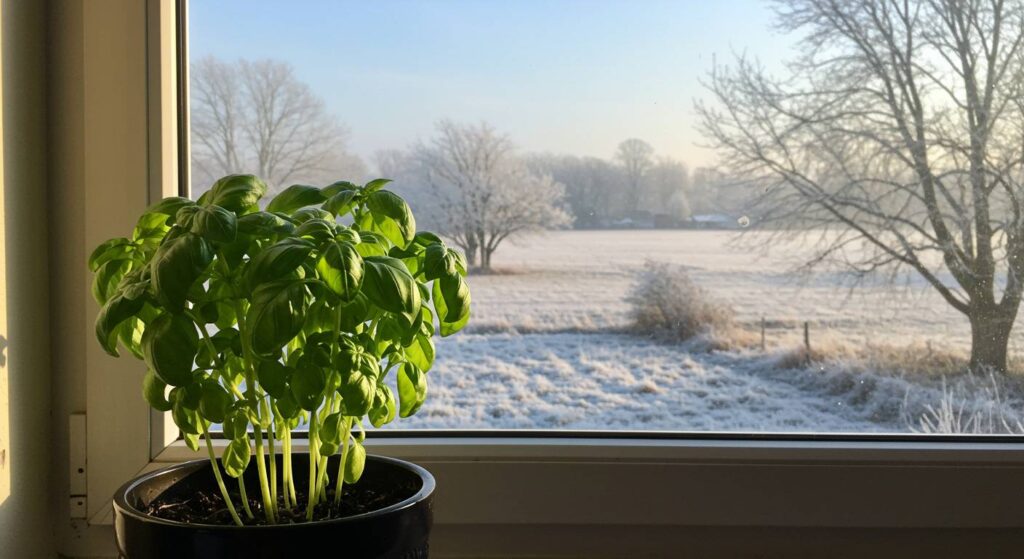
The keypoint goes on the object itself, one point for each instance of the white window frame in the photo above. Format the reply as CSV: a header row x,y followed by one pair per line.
x,y
571,494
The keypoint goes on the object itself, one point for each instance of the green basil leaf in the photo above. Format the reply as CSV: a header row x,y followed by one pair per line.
x,y
274,377
264,224
153,391
176,266
330,434
277,261
389,208
460,261
375,185
214,402
107,278
421,352
355,461
316,229
412,388
112,249
117,309
276,316
372,244
359,372
306,214
451,301
236,193
437,262
236,457
341,203
295,197
186,418
215,224
388,284
357,312
341,268
169,345
383,410
129,333
191,441
169,206
150,230
337,187
307,383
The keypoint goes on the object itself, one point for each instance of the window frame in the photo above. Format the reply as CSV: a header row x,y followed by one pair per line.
x,y
559,480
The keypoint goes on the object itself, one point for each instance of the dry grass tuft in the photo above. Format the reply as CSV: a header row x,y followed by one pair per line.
x,y
667,304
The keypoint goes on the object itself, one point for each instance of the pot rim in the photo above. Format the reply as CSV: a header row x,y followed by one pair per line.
x,y
121,505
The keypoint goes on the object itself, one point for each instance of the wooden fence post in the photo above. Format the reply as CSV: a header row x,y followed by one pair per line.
x,y
807,341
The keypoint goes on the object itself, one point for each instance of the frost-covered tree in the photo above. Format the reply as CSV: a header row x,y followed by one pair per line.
x,y
483,192
636,157
666,185
898,136
592,186
258,117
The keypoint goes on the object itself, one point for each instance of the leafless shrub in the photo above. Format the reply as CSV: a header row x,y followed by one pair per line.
x,y
666,303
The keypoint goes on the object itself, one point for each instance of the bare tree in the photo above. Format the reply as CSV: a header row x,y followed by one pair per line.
x,y
484,193
637,157
667,183
257,117
898,135
592,186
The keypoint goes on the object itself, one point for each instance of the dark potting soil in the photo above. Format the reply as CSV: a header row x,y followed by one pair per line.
x,y
204,505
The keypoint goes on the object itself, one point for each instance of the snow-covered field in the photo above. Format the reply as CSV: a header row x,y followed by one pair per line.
x,y
548,346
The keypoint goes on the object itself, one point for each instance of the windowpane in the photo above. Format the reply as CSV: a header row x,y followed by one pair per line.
x,y
678,215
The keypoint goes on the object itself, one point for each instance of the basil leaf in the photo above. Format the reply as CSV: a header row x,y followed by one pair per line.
x,y
412,389
112,249
176,266
169,346
215,224
153,391
295,197
117,309
355,461
388,285
277,261
236,457
276,316
236,193
341,268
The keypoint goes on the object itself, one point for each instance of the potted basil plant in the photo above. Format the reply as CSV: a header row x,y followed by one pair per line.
x,y
303,314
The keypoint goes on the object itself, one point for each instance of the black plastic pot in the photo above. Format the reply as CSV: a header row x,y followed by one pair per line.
x,y
399,531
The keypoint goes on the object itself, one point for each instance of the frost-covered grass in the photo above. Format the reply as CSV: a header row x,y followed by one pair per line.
x,y
550,346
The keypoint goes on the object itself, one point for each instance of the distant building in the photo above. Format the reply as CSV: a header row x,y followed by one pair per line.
x,y
714,221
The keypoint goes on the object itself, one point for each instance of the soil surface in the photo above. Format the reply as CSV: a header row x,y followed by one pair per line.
x,y
194,505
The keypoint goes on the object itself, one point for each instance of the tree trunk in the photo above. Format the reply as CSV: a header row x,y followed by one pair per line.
x,y
485,258
470,249
990,336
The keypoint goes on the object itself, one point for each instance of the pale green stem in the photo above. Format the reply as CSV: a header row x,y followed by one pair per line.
x,y
250,387
245,498
314,457
273,454
291,473
220,480
321,482
339,484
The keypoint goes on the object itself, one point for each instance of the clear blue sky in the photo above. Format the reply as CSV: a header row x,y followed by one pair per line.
x,y
564,76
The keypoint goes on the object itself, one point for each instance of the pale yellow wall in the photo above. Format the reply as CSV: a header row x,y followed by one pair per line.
x,y
26,527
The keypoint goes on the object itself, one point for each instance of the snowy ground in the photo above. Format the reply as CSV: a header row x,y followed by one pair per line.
x,y
547,346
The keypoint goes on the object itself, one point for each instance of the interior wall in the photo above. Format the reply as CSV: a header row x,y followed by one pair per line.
x,y
26,528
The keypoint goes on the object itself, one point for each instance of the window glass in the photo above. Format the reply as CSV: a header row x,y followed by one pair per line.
x,y
797,216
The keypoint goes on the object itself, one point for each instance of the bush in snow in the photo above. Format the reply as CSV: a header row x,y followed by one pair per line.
x,y
666,303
